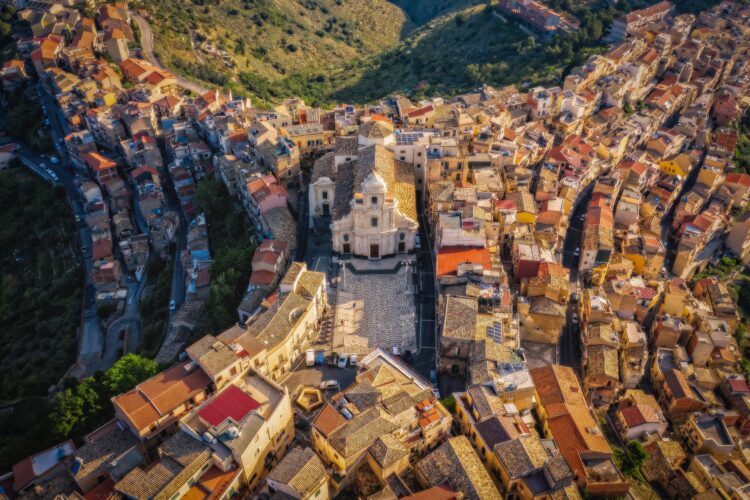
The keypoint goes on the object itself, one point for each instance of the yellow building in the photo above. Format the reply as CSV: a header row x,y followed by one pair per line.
x,y
308,137
287,326
388,411
249,423
677,165
525,207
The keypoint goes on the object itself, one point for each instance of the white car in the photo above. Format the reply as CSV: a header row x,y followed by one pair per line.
x,y
417,242
343,358
578,251
352,360
54,160
329,384
575,317
53,175
172,305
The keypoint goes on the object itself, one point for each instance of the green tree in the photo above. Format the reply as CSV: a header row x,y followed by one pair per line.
x,y
637,453
127,372
449,402
77,410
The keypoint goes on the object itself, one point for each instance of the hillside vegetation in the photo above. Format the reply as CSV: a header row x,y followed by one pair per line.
x,y
42,283
351,50
328,51
272,39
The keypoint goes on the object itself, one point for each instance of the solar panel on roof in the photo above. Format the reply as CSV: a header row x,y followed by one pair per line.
x,y
495,332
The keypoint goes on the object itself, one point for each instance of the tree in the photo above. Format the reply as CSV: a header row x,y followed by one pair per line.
x,y
77,411
449,402
637,453
127,372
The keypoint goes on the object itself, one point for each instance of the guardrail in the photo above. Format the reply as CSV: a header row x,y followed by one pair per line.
x,y
36,169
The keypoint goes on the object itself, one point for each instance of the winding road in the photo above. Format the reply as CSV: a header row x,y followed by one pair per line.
x,y
147,45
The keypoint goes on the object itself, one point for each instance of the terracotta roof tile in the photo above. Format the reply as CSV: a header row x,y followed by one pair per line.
x,y
329,420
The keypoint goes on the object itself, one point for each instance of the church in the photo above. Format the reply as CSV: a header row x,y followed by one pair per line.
x,y
369,195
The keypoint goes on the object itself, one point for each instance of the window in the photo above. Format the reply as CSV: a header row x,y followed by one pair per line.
x,y
233,371
419,154
374,200
403,158
401,236
346,237
374,222
324,194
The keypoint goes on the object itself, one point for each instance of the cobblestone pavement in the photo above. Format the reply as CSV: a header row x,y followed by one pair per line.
x,y
374,310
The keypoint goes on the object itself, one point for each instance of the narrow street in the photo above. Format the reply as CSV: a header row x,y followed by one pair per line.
x,y
426,356
147,44
91,338
569,348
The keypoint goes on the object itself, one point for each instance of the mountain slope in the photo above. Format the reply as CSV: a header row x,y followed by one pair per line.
x,y
271,38
361,50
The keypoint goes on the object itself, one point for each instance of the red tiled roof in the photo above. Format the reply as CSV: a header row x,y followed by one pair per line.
x,y
505,204
161,394
737,178
632,416
449,258
329,420
440,492
232,403
23,473
102,491
262,277
97,162
420,111
738,385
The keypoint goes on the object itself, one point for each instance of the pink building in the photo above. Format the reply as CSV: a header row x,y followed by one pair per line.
x,y
267,193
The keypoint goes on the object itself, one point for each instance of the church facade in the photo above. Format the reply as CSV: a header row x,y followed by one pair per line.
x,y
369,196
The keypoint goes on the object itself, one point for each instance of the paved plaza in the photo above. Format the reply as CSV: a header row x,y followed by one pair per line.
x,y
375,306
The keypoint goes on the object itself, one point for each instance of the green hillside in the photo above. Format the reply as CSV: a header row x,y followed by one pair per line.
x,y
272,39
357,51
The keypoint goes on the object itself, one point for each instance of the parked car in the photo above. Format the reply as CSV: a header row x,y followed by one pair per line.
x,y
352,360
310,357
407,357
343,358
417,242
172,305
578,251
574,297
575,317
54,159
396,351
331,360
329,385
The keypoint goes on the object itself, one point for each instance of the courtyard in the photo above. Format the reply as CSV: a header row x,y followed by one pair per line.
x,y
374,306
